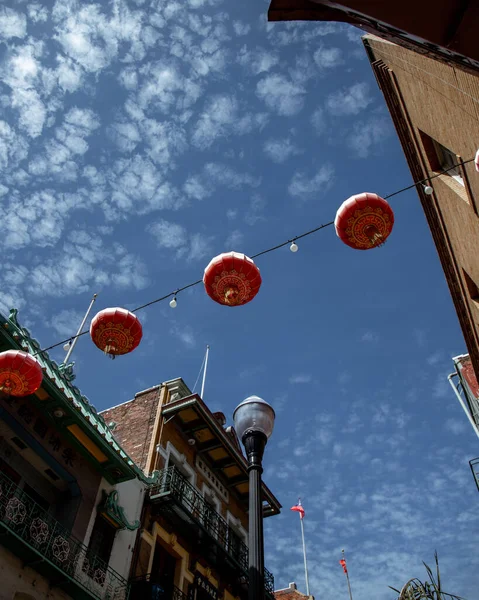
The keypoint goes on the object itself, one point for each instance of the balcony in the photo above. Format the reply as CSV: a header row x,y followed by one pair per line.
x,y
184,506
474,464
145,588
45,545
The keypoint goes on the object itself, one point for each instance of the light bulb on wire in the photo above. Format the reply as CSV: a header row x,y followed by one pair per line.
x,y
294,247
173,303
428,190
66,346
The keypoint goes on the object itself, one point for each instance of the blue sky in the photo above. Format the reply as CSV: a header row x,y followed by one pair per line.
x,y
140,139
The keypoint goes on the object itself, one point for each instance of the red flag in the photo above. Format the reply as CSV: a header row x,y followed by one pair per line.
x,y
299,508
342,562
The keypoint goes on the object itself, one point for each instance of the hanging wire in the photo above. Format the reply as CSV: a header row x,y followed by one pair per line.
x,y
268,250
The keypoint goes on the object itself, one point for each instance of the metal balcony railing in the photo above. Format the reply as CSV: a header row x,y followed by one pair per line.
x,y
474,464
54,549
146,588
173,484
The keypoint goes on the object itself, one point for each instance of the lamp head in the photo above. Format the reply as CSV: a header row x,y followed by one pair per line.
x,y
254,414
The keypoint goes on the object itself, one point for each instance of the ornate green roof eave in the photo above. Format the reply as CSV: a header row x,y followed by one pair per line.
x,y
110,508
57,379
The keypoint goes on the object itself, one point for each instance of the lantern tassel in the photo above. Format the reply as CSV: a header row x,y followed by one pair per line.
x,y
231,295
108,351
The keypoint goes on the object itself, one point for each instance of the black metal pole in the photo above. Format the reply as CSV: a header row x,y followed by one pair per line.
x,y
254,443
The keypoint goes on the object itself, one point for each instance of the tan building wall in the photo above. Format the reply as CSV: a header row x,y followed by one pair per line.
x,y
23,583
431,102
156,441
139,432
148,440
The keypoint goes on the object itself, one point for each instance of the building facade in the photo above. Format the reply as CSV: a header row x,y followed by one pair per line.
x,y
193,542
70,496
435,110
291,593
444,29
466,388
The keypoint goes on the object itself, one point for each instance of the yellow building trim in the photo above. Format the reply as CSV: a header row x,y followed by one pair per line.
x,y
85,441
184,576
146,535
41,394
206,572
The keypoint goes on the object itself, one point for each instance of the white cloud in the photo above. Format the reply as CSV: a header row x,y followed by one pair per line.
x,y
279,150
281,94
300,378
13,147
185,335
349,101
317,120
221,117
140,187
91,38
168,235
12,24
82,263
435,358
441,387
370,336
66,322
255,210
366,135
302,186
258,60
200,246
241,28
456,426
175,237
327,58
234,241
37,13
32,111
221,174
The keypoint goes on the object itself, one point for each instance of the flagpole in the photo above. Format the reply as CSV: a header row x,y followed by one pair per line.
x,y
305,562
347,578
204,372
73,344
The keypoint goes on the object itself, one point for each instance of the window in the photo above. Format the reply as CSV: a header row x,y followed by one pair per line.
x,y
101,540
441,158
19,443
471,287
448,161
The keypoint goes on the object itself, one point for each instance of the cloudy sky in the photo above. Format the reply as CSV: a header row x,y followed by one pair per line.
x,y
138,139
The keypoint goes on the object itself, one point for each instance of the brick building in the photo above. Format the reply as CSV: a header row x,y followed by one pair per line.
x,y
444,29
70,496
435,109
291,593
193,543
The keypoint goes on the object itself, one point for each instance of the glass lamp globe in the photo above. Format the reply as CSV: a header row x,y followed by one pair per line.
x,y
254,414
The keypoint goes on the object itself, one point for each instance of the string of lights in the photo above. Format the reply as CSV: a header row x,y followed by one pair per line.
x,y
293,247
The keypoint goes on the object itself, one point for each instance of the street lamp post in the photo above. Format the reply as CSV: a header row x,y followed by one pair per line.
x,y
254,422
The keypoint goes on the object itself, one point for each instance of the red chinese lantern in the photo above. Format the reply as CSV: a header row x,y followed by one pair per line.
x,y
364,221
116,331
232,279
20,373
476,160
